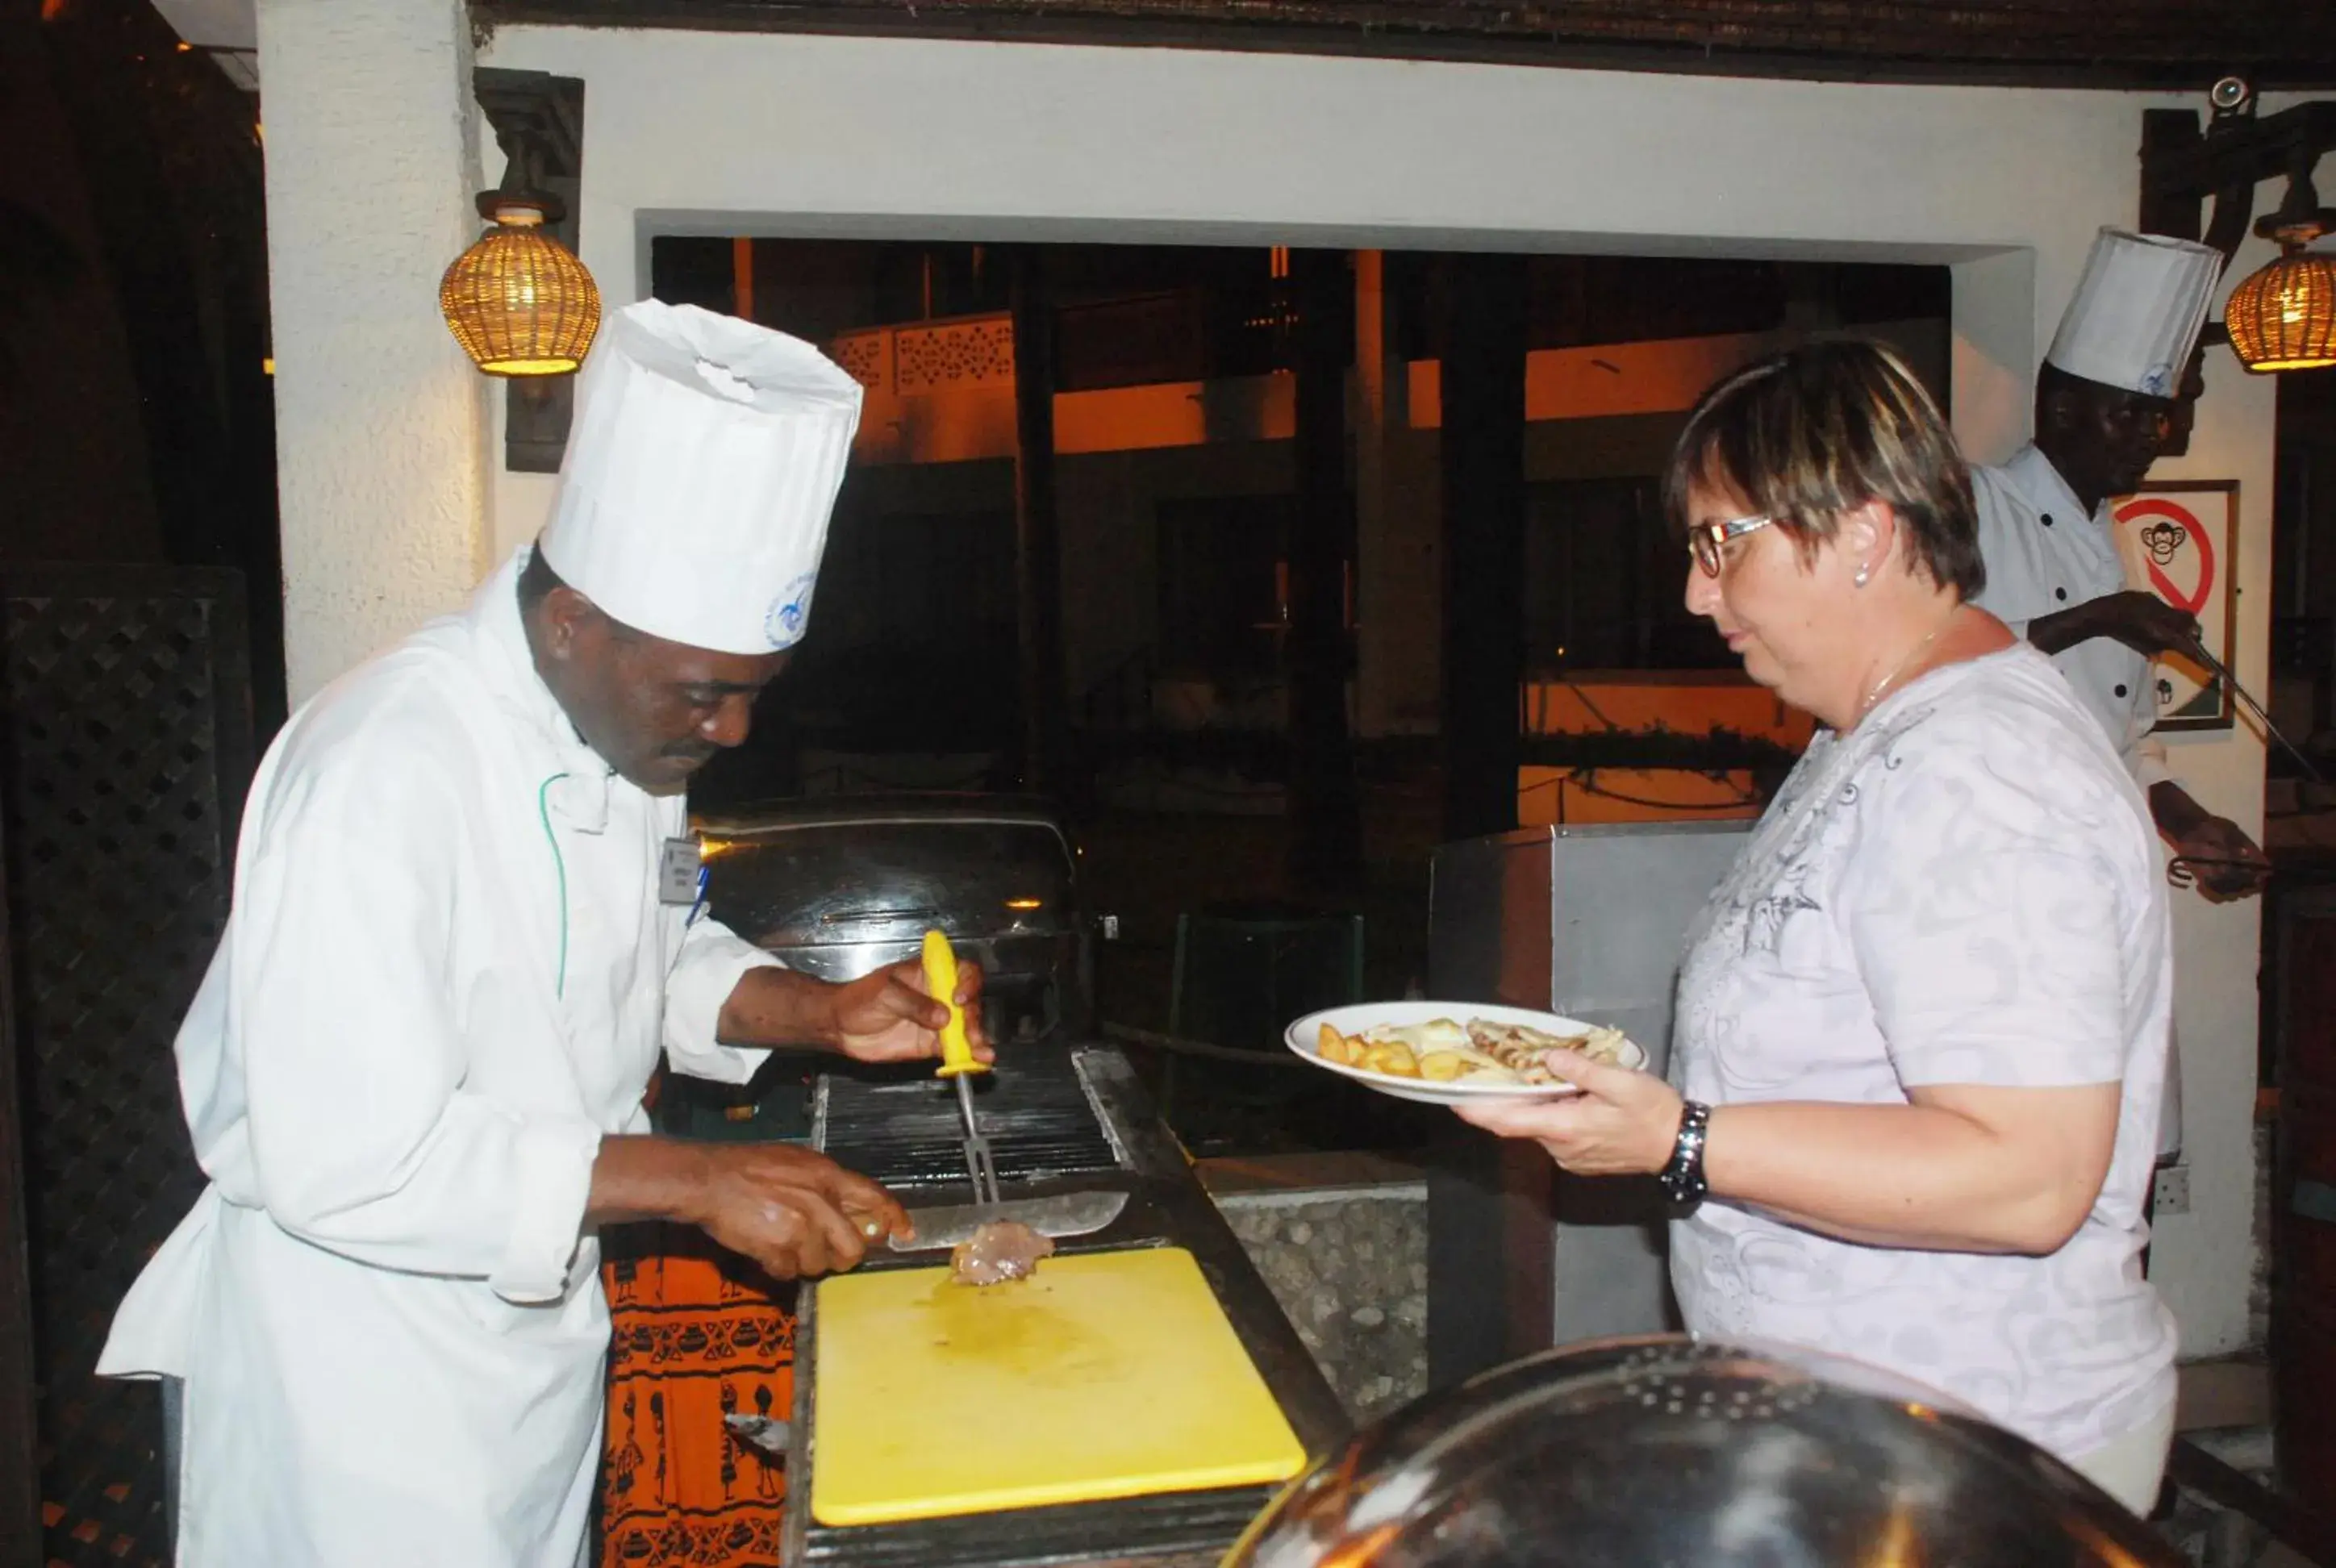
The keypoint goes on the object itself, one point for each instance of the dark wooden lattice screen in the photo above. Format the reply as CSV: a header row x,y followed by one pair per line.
x,y
125,747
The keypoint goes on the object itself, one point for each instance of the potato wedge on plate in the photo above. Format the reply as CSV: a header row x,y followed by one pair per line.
x,y
1332,1047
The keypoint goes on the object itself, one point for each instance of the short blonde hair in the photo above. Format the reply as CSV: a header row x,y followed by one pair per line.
x,y
1816,431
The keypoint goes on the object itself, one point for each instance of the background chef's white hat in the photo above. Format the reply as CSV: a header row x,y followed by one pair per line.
x,y
2136,311
702,466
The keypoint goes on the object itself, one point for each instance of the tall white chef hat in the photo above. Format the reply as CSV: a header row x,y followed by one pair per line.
x,y
702,466
2136,311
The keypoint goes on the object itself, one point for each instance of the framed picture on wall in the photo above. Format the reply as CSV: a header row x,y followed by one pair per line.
x,y
2179,540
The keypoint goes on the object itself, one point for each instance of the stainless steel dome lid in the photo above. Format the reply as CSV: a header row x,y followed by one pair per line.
x,y
1652,1453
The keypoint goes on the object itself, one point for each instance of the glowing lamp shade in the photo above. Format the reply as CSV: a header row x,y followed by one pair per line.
x,y
2284,317
518,301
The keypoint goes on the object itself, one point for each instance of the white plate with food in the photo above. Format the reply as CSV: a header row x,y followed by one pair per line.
x,y
1451,1053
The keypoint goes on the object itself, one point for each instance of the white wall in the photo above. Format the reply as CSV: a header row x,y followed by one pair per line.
x,y
2216,948
805,136
380,421
778,134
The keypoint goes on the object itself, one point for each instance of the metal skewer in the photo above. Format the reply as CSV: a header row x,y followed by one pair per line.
x,y
2196,650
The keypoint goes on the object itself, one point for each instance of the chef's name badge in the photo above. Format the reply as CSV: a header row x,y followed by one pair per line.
x,y
678,868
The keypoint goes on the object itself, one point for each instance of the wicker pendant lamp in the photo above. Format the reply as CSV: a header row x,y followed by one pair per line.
x,y
518,301
2283,317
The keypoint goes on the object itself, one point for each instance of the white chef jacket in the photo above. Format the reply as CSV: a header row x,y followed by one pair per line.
x,y
2044,552
445,976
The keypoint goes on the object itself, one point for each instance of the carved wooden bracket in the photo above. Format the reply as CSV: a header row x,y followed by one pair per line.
x,y
2183,165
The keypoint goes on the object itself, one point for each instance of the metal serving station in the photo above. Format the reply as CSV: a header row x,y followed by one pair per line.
x,y
1587,923
840,890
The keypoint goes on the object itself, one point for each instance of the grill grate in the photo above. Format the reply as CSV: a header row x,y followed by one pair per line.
x,y
1034,1109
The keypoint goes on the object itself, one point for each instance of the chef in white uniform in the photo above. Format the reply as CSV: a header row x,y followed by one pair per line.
x,y
2104,399
464,929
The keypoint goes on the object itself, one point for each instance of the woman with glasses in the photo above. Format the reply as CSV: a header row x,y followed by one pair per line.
x,y
1922,1024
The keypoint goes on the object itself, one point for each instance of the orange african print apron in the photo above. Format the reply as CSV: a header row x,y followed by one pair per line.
x,y
698,1333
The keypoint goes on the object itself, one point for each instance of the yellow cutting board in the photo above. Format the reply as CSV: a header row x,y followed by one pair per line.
x,y
1105,1375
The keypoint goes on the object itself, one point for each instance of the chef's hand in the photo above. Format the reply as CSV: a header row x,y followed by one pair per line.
x,y
2221,839
793,1210
2196,832
1623,1123
2142,621
891,1017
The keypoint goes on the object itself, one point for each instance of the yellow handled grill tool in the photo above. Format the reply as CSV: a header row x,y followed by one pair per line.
x,y
1063,1215
959,1062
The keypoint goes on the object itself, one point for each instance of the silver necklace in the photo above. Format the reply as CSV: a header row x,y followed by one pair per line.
x,y
1904,665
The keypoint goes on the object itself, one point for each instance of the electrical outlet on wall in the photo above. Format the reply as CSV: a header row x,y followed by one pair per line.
x,y
2171,1195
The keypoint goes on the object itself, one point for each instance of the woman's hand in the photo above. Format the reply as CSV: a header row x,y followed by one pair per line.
x,y
1963,1167
1623,1123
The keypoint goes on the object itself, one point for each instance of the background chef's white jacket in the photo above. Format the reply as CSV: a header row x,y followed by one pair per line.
x,y
2044,552
445,976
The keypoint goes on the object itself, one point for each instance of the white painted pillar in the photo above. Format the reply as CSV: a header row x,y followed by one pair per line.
x,y
1993,365
381,424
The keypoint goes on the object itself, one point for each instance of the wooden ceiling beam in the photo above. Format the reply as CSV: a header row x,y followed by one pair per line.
x,y
2169,45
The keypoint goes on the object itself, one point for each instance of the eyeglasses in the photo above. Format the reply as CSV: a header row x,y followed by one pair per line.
x,y
1708,540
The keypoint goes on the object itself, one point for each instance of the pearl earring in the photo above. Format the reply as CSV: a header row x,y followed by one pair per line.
x,y
1863,574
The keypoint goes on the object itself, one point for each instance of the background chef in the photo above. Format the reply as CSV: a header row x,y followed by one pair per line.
x,y
2104,398
465,927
